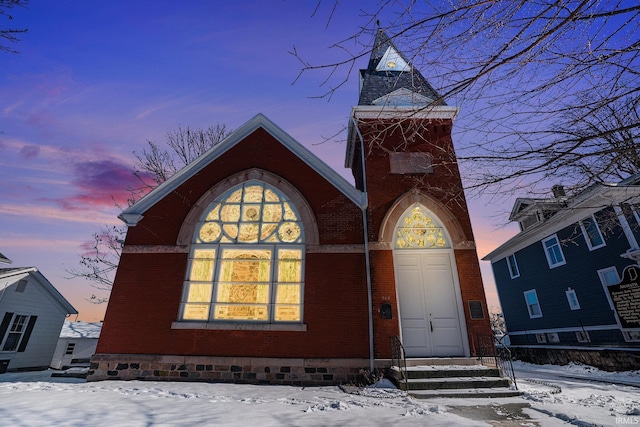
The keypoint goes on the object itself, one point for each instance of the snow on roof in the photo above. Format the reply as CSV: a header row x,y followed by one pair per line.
x,y
80,330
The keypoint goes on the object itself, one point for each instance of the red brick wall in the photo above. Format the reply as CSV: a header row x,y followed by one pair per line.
x,y
472,289
443,184
148,286
383,287
384,188
147,293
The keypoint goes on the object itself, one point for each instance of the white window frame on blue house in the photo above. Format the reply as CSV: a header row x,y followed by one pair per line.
x,y
606,276
531,300
572,298
553,251
591,233
512,264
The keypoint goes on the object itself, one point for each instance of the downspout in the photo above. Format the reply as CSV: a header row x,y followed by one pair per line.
x,y
367,259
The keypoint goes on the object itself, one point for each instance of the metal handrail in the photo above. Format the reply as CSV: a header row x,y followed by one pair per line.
x,y
398,356
505,361
491,349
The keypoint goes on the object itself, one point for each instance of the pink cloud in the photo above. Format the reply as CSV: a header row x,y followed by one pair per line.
x,y
101,183
98,184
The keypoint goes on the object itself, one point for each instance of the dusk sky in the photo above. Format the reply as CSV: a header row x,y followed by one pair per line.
x,y
94,80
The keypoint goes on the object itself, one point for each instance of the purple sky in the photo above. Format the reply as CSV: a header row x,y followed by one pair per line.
x,y
95,80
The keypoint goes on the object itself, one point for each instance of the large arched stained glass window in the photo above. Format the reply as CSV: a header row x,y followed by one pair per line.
x,y
247,259
419,229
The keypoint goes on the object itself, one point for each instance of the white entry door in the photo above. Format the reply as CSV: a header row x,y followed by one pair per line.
x,y
428,304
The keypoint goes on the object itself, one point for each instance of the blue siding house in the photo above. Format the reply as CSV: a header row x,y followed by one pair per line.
x,y
568,282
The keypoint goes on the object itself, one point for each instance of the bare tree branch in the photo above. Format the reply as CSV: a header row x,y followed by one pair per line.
x,y
548,88
10,35
156,164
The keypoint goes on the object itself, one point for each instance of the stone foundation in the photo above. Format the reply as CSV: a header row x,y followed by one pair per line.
x,y
243,370
607,360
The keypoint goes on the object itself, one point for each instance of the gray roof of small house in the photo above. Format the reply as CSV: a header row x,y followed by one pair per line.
x,y
66,306
376,84
80,329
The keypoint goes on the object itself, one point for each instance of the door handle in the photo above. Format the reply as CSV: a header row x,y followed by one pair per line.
x,y
431,325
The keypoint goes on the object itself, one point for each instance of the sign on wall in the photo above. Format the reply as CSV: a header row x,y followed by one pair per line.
x,y
625,297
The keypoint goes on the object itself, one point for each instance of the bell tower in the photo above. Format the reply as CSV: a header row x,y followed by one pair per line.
x,y
420,241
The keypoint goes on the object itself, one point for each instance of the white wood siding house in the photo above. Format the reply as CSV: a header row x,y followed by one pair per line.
x,y
76,345
32,312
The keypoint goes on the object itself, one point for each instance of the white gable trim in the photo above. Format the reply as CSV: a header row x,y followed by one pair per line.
x,y
135,213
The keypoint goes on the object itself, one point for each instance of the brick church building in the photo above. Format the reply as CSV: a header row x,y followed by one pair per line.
x,y
259,263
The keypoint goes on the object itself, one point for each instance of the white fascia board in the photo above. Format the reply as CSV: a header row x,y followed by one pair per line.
x,y
586,204
404,112
135,213
16,272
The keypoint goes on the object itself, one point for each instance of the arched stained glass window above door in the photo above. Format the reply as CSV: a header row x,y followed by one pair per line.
x,y
247,259
418,228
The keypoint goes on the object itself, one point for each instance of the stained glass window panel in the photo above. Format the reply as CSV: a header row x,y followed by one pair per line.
x,y
287,313
260,281
230,213
196,312
418,229
241,312
289,266
288,294
253,193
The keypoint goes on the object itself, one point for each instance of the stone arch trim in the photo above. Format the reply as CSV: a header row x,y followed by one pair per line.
x,y
458,238
311,233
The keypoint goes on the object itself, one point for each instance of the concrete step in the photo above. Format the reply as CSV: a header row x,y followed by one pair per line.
x,y
445,371
452,383
451,377
427,361
465,393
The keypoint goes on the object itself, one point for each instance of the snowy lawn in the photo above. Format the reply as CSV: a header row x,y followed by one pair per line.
x,y
549,399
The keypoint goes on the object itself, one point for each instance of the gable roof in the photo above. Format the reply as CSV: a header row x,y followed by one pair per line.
x,y
134,213
577,208
7,273
378,81
526,206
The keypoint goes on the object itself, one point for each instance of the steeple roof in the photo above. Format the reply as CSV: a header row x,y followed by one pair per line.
x,y
390,79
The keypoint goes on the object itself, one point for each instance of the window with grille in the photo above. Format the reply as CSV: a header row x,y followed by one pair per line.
x,y
247,259
553,251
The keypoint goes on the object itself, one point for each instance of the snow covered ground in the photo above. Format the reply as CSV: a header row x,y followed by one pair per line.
x,y
553,396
